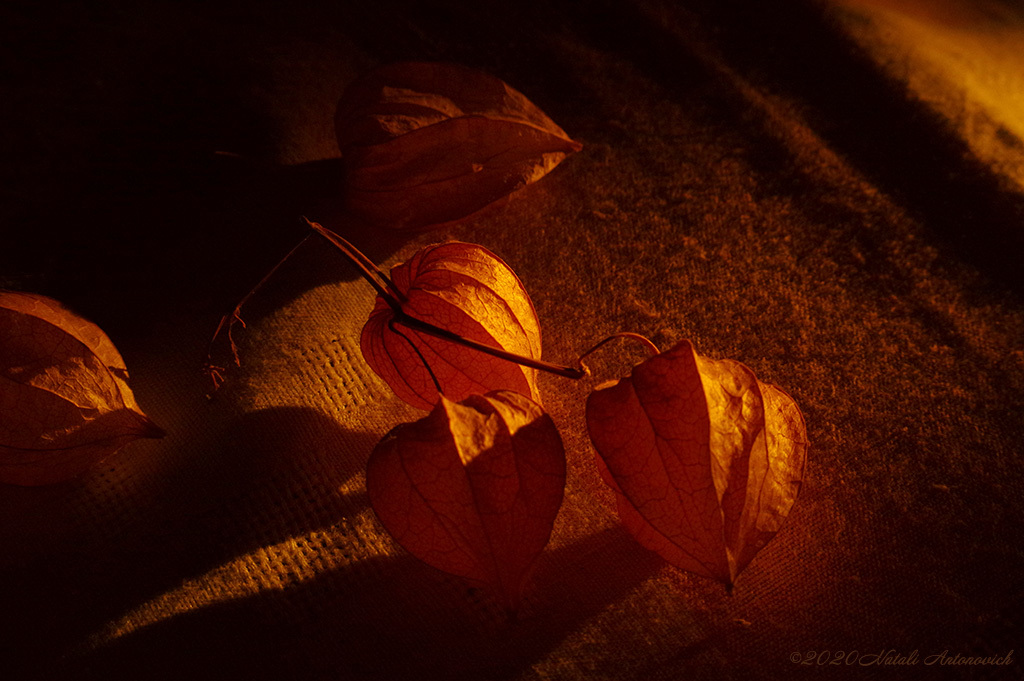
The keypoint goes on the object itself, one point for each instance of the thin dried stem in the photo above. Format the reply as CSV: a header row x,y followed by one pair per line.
x,y
428,328
624,334
228,321
385,288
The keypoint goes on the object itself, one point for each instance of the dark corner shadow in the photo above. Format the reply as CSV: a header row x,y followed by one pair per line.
x,y
379,618
273,475
242,218
162,200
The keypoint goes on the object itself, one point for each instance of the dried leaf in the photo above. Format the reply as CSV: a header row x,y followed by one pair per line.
x,y
706,460
64,400
466,289
426,144
473,488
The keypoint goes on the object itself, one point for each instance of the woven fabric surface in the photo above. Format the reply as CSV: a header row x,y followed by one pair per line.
x,y
831,194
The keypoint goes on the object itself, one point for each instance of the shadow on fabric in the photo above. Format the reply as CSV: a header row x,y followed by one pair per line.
x,y
272,475
379,618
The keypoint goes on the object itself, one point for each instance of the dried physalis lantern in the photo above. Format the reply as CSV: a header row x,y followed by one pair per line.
x,y
473,488
706,461
469,292
65,403
426,144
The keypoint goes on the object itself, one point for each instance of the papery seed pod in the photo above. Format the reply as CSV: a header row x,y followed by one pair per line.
x,y
706,461
473,488
425,144
65,403
465,289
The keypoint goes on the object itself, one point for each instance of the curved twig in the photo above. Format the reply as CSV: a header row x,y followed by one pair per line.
x,y
229,320
623,334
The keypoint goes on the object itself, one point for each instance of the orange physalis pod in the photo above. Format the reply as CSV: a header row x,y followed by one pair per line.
x,y
706,461
425,144
473,488
468,291
65,403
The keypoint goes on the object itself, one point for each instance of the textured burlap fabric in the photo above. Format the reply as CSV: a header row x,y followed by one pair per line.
x,y
829,194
